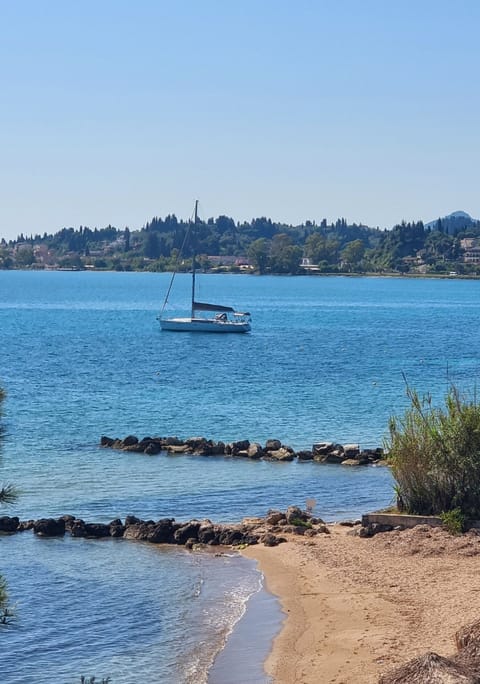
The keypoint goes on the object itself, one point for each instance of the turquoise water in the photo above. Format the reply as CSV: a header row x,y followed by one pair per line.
x,y
83,355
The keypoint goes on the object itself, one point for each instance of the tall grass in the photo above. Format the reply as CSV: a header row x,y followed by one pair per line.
x,y
435,455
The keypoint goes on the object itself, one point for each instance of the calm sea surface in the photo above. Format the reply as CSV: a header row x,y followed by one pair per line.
x,y
82,355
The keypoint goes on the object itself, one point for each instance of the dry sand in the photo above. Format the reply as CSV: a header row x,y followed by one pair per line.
x,y
357,607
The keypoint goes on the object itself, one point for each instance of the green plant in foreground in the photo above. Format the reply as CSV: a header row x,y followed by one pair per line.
x,y
453,521
435,456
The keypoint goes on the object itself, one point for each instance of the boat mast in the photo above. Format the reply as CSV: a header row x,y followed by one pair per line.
x,y
193,257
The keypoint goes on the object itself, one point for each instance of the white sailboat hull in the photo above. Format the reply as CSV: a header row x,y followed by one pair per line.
x,y
204,325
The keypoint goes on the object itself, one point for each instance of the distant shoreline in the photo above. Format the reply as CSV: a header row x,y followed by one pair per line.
x,y
414,276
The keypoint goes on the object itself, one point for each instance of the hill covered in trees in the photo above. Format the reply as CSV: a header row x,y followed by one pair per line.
x,y
259,245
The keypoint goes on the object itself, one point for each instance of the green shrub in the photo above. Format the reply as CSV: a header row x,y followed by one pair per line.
x,y
435,456
453,521
298,522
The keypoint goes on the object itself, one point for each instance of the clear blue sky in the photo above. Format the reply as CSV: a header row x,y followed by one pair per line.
x,y
114,111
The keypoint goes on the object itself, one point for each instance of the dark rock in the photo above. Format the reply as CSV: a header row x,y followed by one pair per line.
x,y
273,445
152,448
323,448
97,530
218,449
231,537
317,521
323,529
372,529
106,441
274,517
294,513
196,443
8,524
187,531
233,448
351,450
336,456
207,534
49,527
162,532
304,455
132,520
130,440
77,528
116,528
271,540
138,531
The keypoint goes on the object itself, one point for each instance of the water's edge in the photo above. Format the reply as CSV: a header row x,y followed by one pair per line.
x,y
243,657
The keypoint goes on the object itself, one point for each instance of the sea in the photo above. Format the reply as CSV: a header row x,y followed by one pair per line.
x,y
82,355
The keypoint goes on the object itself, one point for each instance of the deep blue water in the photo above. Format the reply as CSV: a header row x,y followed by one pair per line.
x,y
82,355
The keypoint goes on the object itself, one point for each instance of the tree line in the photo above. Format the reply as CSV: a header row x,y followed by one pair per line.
x,y
269,247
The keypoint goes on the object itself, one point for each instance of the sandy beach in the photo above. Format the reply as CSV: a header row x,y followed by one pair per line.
x,y
357,607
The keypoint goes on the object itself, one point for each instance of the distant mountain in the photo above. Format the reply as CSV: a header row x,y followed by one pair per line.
x,y
454,222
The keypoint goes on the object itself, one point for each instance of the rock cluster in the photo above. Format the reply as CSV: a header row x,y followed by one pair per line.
x,y
190,534
272,450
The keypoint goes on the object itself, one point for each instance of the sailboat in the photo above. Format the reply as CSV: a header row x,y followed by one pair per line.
x,y
219,318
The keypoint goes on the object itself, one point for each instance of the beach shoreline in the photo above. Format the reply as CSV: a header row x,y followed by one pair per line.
x,y
356,608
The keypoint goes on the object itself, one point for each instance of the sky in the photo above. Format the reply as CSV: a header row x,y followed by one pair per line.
x,y
112,111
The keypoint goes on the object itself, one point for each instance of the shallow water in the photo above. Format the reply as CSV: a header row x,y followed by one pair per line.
x,y
83,355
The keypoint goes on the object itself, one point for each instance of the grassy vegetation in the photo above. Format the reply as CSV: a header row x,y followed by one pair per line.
x,y
435,456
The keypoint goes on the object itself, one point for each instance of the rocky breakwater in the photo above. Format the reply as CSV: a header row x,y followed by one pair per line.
x,y
192,534
272,450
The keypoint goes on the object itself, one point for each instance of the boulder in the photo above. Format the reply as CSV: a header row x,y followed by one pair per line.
x,y
305,455
106,441
323,448
351,462
161,532
130,440
138,532
187,531
77,528
152,448
49,527
116,528
132,520
294,513
336,456
207,534
218,449
8,524
231,537
274,517
233,448
351,450
255,451
272,445
282,454
271,539
97,530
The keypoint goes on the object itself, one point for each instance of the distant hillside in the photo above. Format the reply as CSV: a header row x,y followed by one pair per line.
x,y
453,223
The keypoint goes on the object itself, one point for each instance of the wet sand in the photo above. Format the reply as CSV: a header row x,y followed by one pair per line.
x,y
357,607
